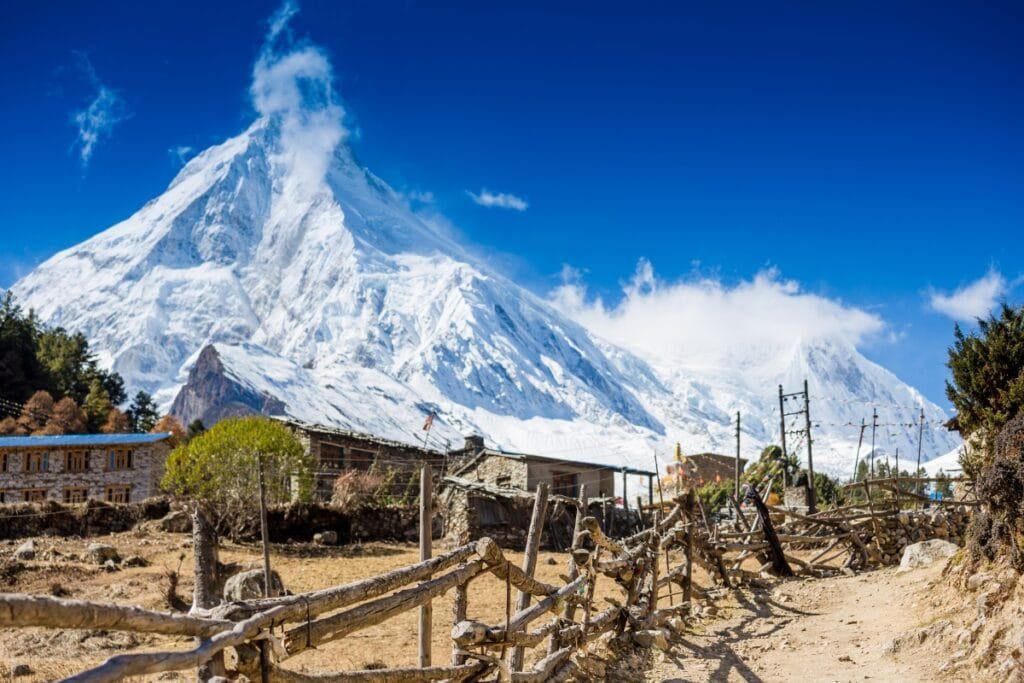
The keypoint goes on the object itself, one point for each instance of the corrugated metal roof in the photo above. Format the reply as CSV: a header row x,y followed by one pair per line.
x,y
80,440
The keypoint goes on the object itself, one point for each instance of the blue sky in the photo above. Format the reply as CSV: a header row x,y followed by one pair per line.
x,y
870,152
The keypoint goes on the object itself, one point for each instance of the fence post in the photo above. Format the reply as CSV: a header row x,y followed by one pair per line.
x,y
426,529
569,611
459,608
540,504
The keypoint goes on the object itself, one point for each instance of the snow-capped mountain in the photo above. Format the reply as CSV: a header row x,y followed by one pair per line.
x,y
329,300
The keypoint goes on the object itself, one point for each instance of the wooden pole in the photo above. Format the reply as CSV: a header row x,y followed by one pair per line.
x,y
540,505
813,507
459,608
625,502
690,523
736,487
919,490
860,442
661,507
267,582
874,427
782,423
426,519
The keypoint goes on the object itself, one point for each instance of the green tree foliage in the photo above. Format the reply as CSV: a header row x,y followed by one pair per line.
x,y
987,368
771,465
195,428
219,471
96,405
827,491
142,413
943,485
34,357
862,471
715,495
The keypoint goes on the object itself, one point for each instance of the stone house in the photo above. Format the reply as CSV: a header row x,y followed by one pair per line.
x,y
704,468
490,492
71,468
338,450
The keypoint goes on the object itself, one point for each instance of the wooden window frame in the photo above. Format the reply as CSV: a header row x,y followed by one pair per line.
x,y
69,455
69,494
43,495
359,459
32,457
557,477
119,459
5,461
112,491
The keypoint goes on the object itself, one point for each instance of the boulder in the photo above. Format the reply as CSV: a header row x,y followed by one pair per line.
x,y
326,538
176,522
134,561
100,553
926,552
26,551
21,670
248,585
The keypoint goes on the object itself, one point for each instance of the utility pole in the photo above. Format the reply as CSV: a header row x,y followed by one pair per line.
x,y
813,507
860,442
782,430
874,426
920,440
737,486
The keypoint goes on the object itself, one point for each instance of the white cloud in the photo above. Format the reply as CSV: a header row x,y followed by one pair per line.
x,y
97,120
700,319
294,87
500,200
180,154
419,196
972,301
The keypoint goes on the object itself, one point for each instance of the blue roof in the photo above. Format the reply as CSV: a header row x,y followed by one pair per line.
x,y
80,440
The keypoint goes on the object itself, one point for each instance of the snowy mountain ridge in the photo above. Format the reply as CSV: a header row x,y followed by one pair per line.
x,y
347,308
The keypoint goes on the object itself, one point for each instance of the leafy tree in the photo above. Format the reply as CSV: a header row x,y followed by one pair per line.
x,y
169,423
826,490
862,471
142,413
67,418
116,423
715,494
771,465
218,470
943,485
987,372
36,412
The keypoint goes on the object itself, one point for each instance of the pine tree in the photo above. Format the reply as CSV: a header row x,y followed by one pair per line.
x,y
195,428
96,406
142,413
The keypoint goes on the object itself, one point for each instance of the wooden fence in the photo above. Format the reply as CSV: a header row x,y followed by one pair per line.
x,y
553,621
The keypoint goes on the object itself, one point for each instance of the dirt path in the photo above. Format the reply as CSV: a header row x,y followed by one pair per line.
x,y
829,630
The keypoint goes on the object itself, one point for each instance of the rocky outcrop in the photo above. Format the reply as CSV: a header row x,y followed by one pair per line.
x,y
211,394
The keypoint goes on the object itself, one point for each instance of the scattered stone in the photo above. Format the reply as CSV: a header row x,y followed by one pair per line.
x,y
101,553
924,553
551,560
846,658
110,566
328,537
917,636
21,670
249,585
654,637
176,522
134,561
976,581
26,551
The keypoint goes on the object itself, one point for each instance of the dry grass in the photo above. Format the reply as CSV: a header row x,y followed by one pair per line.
x,y
53,653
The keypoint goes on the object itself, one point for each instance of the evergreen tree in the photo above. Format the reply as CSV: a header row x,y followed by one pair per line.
x,y
21,373
142,414
987,369
96,406
862,471
195,428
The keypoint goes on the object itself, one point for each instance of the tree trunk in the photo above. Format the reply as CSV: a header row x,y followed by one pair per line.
x,y
204,548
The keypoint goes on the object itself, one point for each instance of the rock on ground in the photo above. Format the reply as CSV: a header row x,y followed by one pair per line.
x,y
101,553
248,585
176,522
26,551
924,553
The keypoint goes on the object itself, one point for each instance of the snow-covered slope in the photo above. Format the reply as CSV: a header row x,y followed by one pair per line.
x,y
328,299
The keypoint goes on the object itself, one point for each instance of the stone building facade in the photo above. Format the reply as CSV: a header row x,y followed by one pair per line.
x,y
338,450
73,468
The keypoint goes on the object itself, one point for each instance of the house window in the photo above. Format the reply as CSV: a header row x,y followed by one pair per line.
x,y
3,496
76,461
119,459
331,457
563,483
37,461
33,495
75,494
5,459
119,493
504,481
360,459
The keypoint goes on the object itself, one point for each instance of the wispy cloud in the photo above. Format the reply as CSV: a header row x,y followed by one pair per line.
x,y
499,200
97,120
699,318
294,85
419,196
180,154
971,301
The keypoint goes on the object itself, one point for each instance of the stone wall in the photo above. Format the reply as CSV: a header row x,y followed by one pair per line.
x,y
93,518
600,482
506,473
143,477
